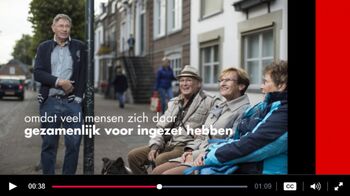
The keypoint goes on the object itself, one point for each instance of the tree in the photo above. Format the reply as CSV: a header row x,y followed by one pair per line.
x,y
43,11
21,51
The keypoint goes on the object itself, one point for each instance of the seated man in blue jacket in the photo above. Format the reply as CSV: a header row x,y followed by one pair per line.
x,y
260,145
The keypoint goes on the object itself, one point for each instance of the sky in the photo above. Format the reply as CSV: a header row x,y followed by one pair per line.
x,y
14,22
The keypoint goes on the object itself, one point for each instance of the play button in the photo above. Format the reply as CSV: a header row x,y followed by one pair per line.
x,y
11,186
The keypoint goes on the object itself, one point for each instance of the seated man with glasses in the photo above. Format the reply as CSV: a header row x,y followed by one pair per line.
x,y
190,108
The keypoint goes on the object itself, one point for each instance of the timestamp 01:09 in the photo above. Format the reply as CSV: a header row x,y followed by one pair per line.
x,y
263,186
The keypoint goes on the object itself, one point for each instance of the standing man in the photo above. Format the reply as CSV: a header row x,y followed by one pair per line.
x,y
131,42
60,67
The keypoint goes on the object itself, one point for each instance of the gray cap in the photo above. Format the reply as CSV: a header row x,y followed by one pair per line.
x,y
189,71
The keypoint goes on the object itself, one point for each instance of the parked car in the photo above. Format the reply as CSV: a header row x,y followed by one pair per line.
x,y
11,87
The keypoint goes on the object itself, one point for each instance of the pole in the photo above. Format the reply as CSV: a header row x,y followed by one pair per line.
x,y
89,93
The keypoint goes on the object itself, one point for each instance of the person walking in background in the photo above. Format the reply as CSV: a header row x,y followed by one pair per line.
x,y
131,43
120,86
60,67
165,76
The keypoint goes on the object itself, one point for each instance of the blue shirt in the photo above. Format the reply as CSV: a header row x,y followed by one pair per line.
x,y
61,66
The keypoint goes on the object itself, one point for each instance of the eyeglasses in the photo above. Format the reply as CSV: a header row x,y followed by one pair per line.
x,y
183,80
227,79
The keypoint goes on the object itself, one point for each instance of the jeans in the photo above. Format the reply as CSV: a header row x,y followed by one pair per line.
x,y
61,108
165,94
121,99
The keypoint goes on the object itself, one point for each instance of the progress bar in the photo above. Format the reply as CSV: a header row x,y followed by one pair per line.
x,y
158,186
103,187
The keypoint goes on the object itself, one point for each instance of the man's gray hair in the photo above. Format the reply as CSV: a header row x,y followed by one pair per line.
x,y
62,16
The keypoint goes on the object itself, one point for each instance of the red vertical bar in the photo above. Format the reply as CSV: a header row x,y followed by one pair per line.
x,y
332,87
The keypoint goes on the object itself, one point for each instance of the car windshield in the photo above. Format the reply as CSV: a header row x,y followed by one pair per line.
x,y
9,81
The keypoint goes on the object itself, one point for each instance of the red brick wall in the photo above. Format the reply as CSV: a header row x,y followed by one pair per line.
x,y
157,47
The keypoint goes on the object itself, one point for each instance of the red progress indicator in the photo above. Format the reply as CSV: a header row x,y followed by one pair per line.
x,y
104,186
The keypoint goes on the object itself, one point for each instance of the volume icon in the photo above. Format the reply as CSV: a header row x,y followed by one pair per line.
x,y
316,186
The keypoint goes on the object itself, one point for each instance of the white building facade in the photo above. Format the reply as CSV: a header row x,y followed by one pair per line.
x,y
98,42
241,33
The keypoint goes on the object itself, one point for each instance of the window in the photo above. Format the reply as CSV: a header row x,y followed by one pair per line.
x,y
210,64
12,70
258,53
123,38
100,36
140,28
175,64
210,7
113,6
167,17
174,15
112,37
159,18
142,6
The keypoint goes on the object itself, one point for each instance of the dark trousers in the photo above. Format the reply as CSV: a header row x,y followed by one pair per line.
x,y
131,51
121,98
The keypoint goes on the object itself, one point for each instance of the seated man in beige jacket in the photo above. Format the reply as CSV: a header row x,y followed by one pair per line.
x,y
233,84
190,108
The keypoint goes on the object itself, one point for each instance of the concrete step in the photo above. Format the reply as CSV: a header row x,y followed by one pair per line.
x,y
145,79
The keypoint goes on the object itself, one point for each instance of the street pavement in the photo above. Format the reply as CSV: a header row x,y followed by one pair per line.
x,y
20,155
